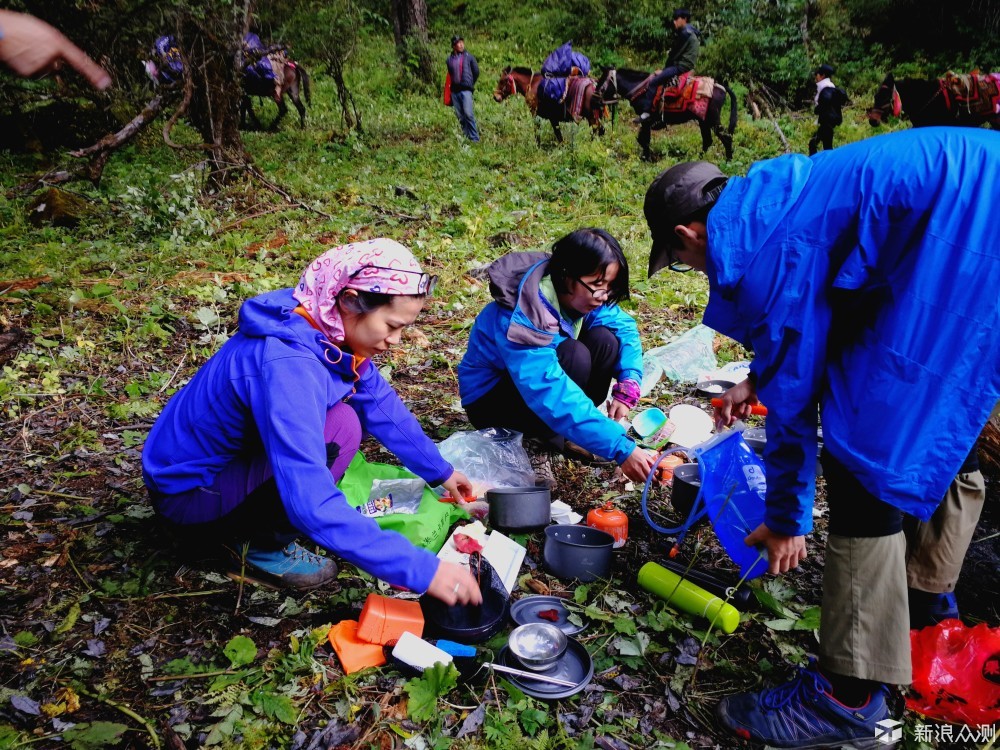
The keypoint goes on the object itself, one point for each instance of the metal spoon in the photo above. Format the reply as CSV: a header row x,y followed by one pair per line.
x,y
530,675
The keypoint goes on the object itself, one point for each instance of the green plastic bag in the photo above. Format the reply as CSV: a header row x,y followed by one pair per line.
x,y
427,528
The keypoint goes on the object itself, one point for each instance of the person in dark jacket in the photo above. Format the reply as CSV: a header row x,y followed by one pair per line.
x,y
463,72
542,355
248,453
849,276
828,101
682,58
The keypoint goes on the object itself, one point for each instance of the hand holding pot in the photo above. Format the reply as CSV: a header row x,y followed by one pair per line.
x,y
453,585
638,465
737,403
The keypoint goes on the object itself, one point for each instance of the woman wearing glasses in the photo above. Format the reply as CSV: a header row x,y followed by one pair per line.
x,y
249,451
542,355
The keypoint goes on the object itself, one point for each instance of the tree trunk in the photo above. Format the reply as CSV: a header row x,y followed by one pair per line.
x,y
213,53
409,24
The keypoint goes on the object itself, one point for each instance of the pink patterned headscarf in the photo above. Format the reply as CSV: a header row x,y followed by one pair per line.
x,y
381,265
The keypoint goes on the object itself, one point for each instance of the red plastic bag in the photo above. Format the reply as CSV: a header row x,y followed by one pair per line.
x,y
447,89
956,673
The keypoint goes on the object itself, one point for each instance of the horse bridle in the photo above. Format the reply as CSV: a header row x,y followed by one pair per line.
x,y
611,80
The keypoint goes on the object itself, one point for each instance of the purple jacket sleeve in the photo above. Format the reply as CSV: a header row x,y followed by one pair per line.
x,y
289,405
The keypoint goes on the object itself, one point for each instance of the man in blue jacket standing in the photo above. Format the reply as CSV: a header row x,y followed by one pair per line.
x,y
463,71
864,279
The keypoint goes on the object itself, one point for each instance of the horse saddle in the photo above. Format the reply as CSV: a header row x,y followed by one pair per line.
x,y
978,94
677,94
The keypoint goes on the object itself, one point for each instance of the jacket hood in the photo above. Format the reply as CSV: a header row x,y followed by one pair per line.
x,y
273,314
514,284
749,214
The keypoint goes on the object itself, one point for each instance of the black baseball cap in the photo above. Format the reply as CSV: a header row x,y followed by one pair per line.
x,y
683,13
456,39
824,70
676,195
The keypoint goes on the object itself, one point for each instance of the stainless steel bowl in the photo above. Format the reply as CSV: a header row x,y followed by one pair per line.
x,y
537,645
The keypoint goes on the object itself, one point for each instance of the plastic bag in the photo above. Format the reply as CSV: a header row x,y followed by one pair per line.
x,y
427,528
490,458
956,673
393,496
733,488
686,358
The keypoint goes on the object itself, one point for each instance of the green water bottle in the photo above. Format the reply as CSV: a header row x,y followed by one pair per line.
x,y
687,597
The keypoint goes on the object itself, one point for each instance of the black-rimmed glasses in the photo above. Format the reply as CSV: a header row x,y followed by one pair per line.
x,y
425,285
599,294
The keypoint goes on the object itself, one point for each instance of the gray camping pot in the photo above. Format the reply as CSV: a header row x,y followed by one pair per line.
x,y
580,552
519,508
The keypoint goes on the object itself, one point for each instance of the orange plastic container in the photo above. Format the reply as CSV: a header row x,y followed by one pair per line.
x,y
354,654
611,520
384,619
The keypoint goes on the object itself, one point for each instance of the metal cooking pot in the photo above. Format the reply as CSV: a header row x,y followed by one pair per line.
x,y
578,552
519,508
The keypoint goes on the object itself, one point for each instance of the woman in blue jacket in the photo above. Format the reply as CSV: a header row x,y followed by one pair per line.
x,y
542,355
248,453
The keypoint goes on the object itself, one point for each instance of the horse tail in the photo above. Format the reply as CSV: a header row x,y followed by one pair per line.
x,y
304,77
732,109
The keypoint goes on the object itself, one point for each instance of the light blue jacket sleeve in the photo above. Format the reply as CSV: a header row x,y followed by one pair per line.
x,y
559,402
626,331
290,413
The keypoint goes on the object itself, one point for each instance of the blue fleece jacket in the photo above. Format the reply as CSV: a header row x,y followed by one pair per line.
x,y
268,390
866,281
519,333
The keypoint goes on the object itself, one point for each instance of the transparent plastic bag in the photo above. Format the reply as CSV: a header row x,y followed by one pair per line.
x,y
686,358
490,458
389,496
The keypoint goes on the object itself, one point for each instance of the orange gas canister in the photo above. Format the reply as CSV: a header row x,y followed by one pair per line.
x,y
611,520
383,619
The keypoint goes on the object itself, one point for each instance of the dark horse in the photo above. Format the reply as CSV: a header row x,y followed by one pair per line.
x,y
289,76
925,103
523,81
617,84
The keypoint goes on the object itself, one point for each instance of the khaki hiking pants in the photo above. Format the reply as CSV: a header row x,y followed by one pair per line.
x,y
864,626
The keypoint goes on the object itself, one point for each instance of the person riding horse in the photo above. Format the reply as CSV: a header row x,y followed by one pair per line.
x,y
682,58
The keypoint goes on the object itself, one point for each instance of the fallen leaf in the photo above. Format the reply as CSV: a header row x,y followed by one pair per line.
x,y
537,586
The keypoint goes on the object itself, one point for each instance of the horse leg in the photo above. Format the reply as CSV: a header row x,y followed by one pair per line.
x,y
706,135
293,92
247,113
555,129
282,111
645,132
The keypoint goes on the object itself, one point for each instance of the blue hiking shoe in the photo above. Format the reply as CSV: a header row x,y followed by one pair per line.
x,y
292,566
930,609
804,714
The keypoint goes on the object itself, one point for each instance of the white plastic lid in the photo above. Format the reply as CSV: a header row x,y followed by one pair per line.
x,y
693,426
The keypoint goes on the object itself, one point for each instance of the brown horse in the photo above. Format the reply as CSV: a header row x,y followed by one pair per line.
x,y
289,76
618,84
523,81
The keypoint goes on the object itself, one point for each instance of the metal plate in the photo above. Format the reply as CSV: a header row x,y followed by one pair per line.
x,y
575,666
525,610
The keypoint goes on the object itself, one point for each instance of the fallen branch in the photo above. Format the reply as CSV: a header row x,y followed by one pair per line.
x,y
128,712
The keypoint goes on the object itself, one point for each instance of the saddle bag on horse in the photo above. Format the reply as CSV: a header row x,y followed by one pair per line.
x,y
558,67
977,94
677,94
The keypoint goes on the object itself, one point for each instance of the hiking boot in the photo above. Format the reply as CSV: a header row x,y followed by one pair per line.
x,y
541,462
930,609
804,714
292,566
